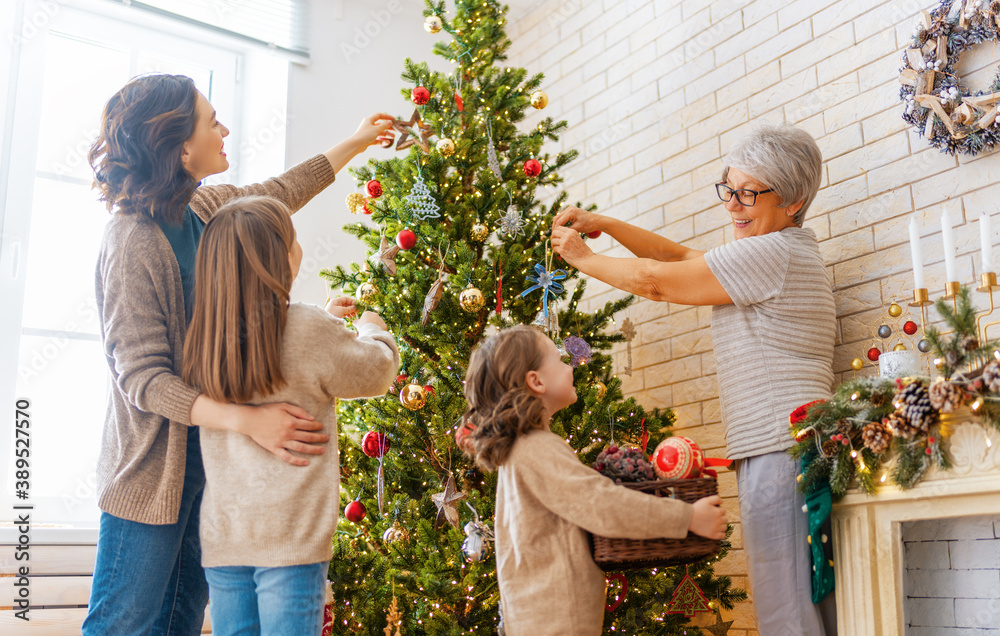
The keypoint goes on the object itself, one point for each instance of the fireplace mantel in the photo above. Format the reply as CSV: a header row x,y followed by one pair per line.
x,y
868,549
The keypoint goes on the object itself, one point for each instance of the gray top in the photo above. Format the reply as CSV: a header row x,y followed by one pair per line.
x,y
774,344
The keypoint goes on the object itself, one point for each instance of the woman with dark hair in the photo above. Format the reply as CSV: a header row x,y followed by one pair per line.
x,y
159,138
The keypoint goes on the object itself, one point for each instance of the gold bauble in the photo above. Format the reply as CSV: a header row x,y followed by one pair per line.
x,y
895,310
432,24
355,200
899,347
479,232
857,364
601,388
445,146
471,299
413,397
366,292
539,99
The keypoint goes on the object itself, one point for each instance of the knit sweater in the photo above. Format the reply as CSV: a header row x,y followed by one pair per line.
x,y
140,300
774,344
261,511
547,502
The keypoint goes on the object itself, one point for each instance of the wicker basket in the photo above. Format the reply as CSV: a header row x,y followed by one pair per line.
x,y
637,554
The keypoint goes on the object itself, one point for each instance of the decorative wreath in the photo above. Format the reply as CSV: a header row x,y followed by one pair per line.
x,y
937,105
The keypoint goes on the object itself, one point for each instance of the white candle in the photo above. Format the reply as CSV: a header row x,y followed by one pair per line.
x,y
986,242
950,267
918,261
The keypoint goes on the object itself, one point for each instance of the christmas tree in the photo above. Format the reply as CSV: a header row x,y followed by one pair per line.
x,y
454,222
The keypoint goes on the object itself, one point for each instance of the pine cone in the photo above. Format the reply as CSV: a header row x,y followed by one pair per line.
x,y
900,425
970,343
946,396
876,436
845,428
915,405
830,447
991,376
878,399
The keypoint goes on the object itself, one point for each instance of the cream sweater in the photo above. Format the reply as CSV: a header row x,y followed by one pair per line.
x,y
547,502
140,302
259,510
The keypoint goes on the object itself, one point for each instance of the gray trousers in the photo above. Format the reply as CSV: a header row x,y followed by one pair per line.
x,y
774,537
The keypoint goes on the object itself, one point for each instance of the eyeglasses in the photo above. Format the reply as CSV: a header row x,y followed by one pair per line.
x,y
744,196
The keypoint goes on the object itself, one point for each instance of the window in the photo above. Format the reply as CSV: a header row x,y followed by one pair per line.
x,y
50,349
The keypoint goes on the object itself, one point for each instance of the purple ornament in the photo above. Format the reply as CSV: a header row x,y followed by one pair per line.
x,y
578,349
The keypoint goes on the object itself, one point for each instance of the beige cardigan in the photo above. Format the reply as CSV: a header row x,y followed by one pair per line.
x,y
258,510
140,301
547,502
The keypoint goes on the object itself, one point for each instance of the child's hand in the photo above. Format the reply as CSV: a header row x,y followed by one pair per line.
x,y
373,318
374,129
709,518
342,307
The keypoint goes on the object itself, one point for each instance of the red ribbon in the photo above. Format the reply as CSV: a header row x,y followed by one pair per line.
x,y
499,289
645,435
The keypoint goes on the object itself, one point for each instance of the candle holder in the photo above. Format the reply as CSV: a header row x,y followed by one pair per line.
x,y
921,299
988,285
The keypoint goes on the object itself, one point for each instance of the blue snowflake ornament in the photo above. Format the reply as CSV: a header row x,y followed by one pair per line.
x,y
546,281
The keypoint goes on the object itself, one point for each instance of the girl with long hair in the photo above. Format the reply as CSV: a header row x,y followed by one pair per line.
x,y
547,500
266,557
159,138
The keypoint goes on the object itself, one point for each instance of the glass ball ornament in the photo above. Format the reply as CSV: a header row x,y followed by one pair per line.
x,y
355,511
539,99
374,188
532,168
924,345
895,310
413,396
910,327
479,233
354,201
420,95
395,532
857,364
445,146
433,24
375,444
884,331
471,299
602,389
474,548
366,292
873,354
899,347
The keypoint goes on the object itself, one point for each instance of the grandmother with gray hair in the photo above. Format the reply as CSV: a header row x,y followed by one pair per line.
x,y
773,328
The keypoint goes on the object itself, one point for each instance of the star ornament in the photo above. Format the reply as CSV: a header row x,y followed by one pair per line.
x,y
411,135
445,502
545,281
387,252
721,628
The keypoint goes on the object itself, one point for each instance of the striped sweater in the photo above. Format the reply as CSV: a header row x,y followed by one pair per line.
x,y
774,344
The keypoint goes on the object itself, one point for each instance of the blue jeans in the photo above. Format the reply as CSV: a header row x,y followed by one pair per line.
x,y
285,601
148,579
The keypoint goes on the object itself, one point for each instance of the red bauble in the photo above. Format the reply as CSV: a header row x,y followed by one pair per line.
x,y
532,168
355,511
458,103
406,239
594,234
677,458
873,354
909,327
365,208
420,95
375,444
374,189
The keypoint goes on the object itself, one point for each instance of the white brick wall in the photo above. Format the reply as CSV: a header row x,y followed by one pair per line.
x,y
657,91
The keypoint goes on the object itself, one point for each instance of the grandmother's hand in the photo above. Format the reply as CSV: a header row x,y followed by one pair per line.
x,y
567,243
579,220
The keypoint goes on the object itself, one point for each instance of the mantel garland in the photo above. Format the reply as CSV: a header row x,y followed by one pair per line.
x,y
874,429
937,104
